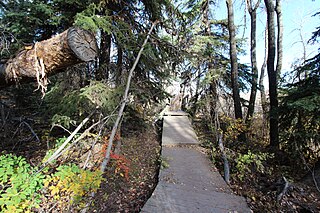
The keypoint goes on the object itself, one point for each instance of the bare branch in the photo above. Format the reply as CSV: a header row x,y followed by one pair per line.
x,y
124,101
57,153
62,127
284,191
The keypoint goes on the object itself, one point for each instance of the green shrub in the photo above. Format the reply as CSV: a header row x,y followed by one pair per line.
x,y
71,184
63,120
22,189
18,184
247,162
299,121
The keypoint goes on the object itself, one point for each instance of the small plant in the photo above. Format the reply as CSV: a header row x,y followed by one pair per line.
x,y
233,128
247,162
120,162
62,120
164,163
71,184
18,184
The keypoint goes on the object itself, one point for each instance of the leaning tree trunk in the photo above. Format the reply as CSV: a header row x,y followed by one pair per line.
x,y
48,57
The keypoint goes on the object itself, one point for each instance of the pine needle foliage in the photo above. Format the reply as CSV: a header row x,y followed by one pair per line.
x,y
93,18
76,104
299,116
299,110
39,19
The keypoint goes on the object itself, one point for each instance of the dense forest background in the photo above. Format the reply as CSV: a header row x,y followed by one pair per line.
x,y
270,139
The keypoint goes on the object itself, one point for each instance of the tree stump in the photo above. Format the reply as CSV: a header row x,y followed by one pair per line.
x,y
49,57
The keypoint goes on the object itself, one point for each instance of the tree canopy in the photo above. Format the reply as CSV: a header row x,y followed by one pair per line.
x,y
192,61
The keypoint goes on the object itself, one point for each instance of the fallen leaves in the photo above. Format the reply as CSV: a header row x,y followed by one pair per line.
x,y
129,195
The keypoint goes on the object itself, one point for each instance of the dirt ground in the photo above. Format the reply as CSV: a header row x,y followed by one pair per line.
x,y
121,193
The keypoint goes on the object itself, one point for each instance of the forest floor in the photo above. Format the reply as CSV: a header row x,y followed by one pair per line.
x,y
128,193
260,179
131,175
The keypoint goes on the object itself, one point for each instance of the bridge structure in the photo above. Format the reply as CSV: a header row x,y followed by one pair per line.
x,y
188,181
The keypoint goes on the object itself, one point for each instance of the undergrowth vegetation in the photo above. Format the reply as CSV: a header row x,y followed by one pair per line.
x,y
68,182
25,188
256,171
69,105
69,187
19,184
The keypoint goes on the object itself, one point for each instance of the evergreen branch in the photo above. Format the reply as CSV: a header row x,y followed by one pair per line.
x,y
124,101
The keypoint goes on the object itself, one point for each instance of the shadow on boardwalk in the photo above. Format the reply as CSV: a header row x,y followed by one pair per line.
x,y
189,184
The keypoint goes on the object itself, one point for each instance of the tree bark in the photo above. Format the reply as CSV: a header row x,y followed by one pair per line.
x,y
279,38
196,95
226,166
261,84
209,64
119,65
104,59
234,63
272,75
254,79
49,57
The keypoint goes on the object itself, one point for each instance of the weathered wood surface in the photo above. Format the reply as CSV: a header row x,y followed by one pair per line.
x,y
50,56
190,183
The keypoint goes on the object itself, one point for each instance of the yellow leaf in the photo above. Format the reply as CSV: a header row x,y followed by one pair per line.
x,y
60,183
25,204
11,209
54,190
46,183
84,175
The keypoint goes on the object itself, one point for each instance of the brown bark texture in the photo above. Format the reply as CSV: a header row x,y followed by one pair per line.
x,y
104,56
213,83
119,65
49,57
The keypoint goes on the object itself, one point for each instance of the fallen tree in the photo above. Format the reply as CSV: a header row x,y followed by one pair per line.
x,y
49,57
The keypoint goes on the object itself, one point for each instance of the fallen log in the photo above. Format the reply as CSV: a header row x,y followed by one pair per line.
x,y
49,57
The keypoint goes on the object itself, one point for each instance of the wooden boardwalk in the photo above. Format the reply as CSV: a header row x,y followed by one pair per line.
x,y
190,184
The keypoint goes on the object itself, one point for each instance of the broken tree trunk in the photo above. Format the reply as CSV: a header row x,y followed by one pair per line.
x,y
49,57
